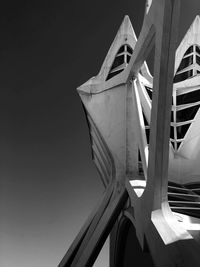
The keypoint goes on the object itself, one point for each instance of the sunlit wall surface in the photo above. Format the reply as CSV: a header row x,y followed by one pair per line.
x,y
48,184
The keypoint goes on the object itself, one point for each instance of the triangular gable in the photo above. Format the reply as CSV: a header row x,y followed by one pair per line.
x,y
186,85
192,37
125,35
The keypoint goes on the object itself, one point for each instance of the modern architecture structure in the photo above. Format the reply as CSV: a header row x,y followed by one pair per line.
x,y
145,139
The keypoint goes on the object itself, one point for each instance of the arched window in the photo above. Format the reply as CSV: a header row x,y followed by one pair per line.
x,y
121,61
190,64
186,103
197,50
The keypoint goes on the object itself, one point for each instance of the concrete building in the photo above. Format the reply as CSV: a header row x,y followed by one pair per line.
x,y
145,139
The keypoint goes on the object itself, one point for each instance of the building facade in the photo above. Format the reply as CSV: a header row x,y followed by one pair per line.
x,y
145,138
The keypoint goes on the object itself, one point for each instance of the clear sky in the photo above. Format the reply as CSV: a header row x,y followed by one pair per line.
x,y
48,183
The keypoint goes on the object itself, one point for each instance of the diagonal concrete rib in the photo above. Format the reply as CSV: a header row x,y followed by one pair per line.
x,y
86,231
105,225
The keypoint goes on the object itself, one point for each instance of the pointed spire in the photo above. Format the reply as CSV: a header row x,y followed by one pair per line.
x,y
192,37
148,5
125,35
194,30
197,19
127,27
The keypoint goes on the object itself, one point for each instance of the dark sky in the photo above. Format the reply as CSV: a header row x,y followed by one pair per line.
x,y
48,184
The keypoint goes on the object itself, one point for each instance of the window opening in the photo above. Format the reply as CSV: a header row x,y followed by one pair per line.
x,y
187,98
171,132
181,130
198,60
183,76
197,49
185,63
189,67
186,114
189,50
172,116
149,91
121,61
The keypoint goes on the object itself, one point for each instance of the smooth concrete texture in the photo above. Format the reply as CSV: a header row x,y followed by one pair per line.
x,y
116,106
49,184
